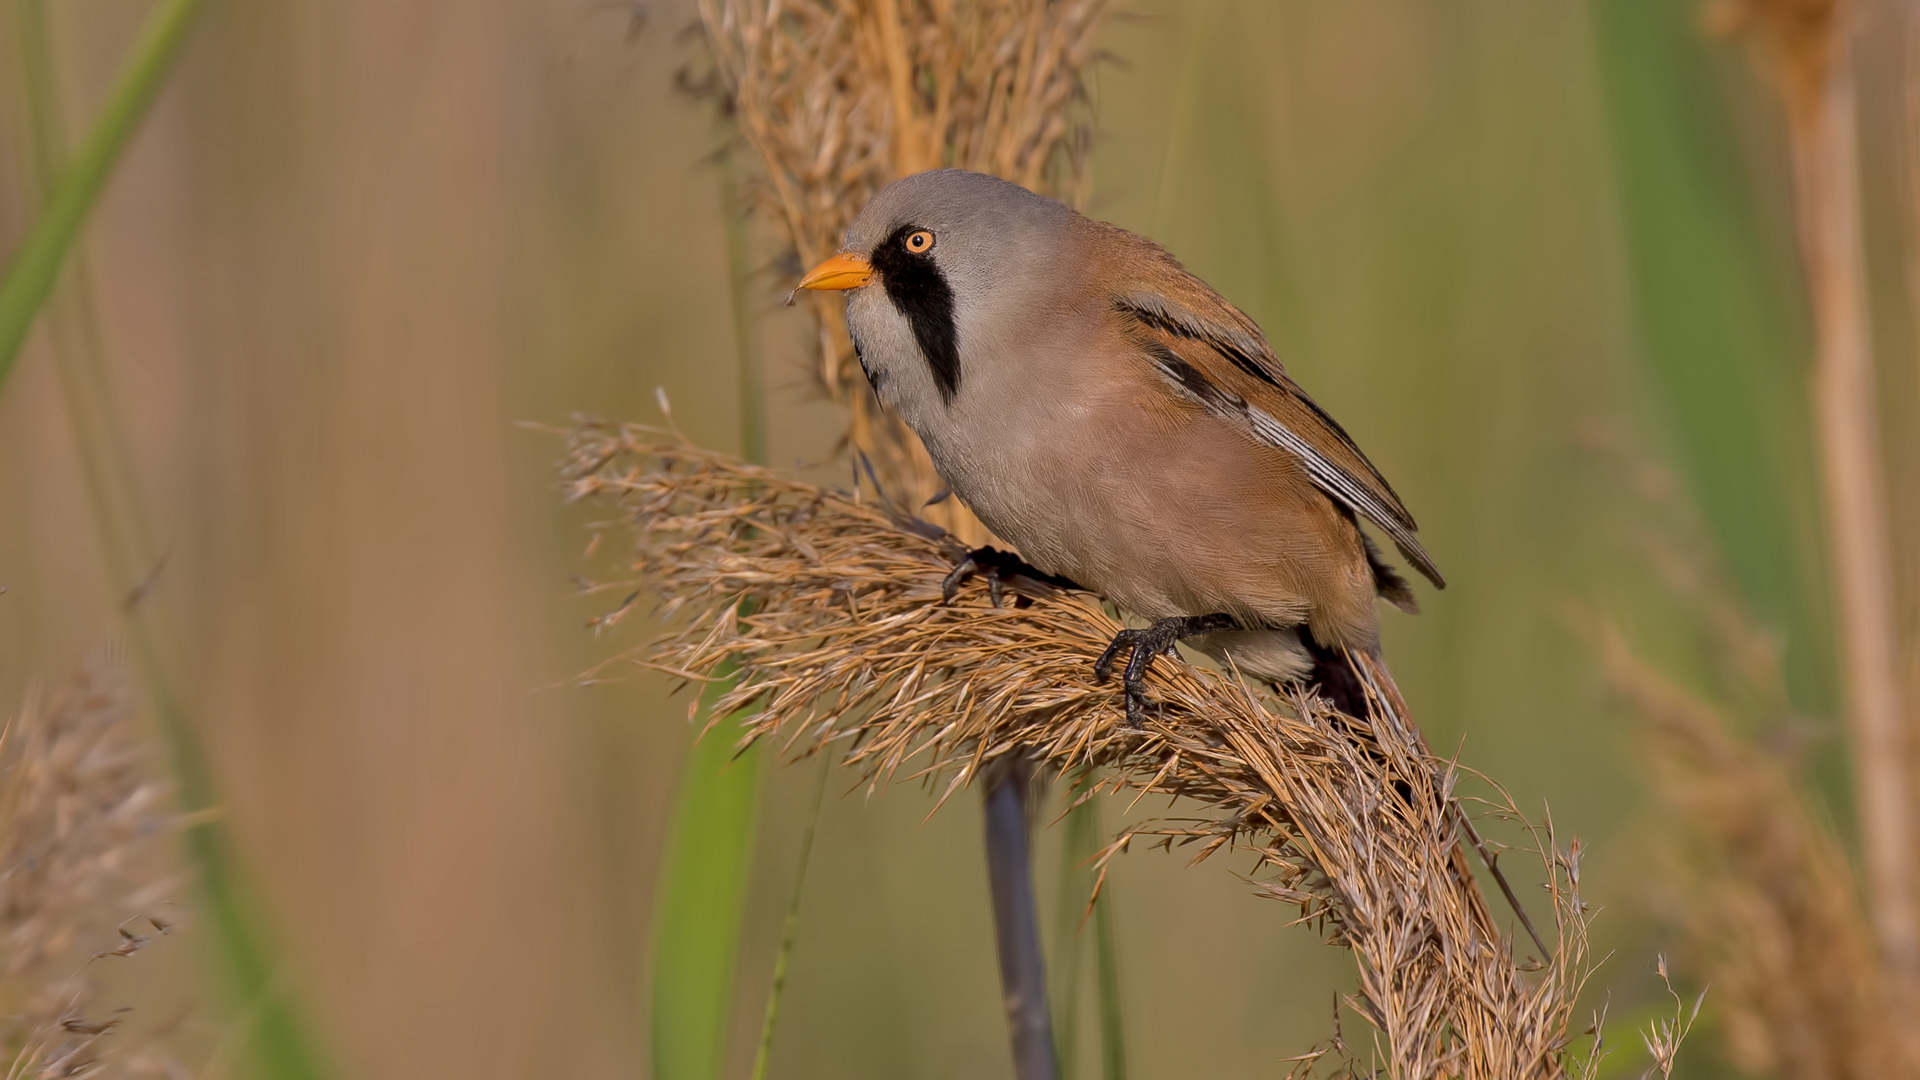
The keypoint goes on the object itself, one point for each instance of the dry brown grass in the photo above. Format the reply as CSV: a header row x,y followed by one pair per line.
x,y
837,99
845,648
84,825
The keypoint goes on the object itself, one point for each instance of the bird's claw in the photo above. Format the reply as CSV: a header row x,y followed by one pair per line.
x,y
1160,638
978,563
999,568
1103,667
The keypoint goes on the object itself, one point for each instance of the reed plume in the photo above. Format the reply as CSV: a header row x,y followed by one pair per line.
x,y
83,829
1755,879
837,100
845,647
1770,905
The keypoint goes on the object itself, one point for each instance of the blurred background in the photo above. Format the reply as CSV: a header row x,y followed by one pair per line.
x,y
1538,258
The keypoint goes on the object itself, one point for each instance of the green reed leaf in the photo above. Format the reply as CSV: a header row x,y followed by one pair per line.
x,y
34,266
273,1031
700,899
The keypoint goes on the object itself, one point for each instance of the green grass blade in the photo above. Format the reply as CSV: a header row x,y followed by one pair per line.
x,y
1113,1020
699,901
1081,843
1722,330
72,321
273,1032
277,1036
752,394
35,265
791,930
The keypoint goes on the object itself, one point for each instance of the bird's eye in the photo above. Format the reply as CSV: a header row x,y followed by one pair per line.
x,y
920,242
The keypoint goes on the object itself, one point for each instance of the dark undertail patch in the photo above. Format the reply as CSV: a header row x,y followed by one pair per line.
x,y
1333,675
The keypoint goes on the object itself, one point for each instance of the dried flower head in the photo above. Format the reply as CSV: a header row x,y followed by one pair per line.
x,y
837,100
83,829
831,608
1770,907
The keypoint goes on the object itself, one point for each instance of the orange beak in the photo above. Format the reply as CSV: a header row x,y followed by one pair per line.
x,y
843,271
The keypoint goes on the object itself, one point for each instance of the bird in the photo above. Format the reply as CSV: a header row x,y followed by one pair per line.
x,y
1124,428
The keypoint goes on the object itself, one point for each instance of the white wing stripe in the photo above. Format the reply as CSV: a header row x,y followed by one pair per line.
x,y
1325,475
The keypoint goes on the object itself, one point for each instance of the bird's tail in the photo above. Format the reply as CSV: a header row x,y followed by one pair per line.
x,y
1360,686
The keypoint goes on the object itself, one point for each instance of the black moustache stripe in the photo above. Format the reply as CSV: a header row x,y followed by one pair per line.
x,y
920,292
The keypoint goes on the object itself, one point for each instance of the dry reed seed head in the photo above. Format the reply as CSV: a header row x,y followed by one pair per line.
x,y
1757,884
1769,902
847,649
84,825
839,99
77,797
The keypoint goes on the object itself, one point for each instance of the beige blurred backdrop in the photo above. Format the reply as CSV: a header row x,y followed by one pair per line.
x,y
360,240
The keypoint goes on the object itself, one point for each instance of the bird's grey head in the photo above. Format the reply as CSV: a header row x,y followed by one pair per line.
x,y
935,263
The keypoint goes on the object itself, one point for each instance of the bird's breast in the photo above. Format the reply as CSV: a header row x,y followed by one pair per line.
x,y
1158,506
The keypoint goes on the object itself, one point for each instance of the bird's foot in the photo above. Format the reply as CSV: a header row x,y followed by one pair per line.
x,y
1000,568
1147,643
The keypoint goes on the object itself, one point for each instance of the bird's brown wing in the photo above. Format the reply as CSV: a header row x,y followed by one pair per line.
x,y
1208,351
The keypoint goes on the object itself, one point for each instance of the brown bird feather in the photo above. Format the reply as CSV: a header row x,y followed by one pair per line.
x,y
1240,379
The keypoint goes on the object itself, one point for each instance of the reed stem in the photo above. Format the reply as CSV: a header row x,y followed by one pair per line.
x,y
1023,969
1078,846
1086,909
1823,137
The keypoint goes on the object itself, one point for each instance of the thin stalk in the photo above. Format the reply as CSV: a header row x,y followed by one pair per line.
x,y
1078,844
277,1035
35,265
74,329
1911,621
1113,1020
790,930
752,376
1023,969
906,151
1076,911
1824,147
